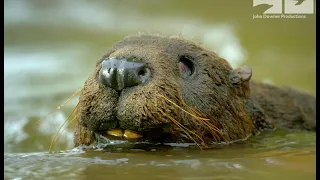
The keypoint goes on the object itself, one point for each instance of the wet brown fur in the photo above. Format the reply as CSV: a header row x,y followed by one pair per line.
x,y
222,110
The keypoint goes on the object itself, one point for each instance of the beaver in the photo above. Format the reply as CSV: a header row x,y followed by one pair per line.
x,y
168,89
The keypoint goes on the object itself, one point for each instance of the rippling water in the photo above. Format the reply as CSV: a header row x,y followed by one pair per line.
x,y
51,47
275,155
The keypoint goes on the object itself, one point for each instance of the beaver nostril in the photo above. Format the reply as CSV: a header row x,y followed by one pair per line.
x,y
142,72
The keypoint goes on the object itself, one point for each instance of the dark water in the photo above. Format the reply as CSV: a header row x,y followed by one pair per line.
x,y
50,47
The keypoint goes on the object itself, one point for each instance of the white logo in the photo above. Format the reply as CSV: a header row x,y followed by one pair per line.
x,y
275,6
290,6
298,6
272,9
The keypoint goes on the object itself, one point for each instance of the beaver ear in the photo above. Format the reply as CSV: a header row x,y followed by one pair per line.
x,y
241,74
240,78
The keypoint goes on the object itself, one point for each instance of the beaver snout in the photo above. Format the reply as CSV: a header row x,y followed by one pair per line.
x,y
122,72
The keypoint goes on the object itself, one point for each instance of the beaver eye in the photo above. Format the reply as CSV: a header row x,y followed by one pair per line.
x,y
186,67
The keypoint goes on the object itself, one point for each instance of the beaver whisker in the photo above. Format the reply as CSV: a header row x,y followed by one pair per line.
x,y
66,102
184,129
203,121
55,137
198,113
212,129
194,111
190,108
183,109
75,118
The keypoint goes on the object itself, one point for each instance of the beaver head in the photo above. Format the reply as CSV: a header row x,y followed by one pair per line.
x,y
166,89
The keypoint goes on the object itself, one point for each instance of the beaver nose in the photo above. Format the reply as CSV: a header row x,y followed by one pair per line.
x,y
122,72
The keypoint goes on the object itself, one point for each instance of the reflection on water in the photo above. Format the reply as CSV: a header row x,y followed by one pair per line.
x,y
50,47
